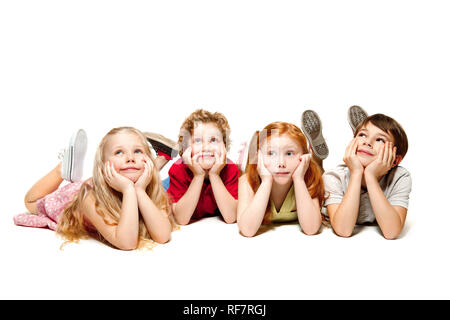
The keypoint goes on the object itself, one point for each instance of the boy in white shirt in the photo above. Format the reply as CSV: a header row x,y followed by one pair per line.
x,y
370,187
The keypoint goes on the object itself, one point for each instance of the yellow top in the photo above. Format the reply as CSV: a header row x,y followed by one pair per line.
x,y
287,211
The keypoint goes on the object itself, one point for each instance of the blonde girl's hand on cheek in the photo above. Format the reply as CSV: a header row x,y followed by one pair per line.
x,y
384,162
116,180
220,161
262,170
302,167
192,162
146,176
351,159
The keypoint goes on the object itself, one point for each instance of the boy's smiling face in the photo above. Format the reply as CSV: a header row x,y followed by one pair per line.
x,y
371,140
207,142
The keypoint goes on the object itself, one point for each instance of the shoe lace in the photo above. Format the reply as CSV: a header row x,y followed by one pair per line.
x,y
61,154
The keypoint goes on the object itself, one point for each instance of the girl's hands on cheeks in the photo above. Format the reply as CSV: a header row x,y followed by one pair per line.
x,y
262,170
220,161
116,180
351,159
302,167
192,162
384,162
146,176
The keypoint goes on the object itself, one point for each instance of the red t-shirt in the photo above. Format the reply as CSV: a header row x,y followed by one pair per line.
x,y
181,177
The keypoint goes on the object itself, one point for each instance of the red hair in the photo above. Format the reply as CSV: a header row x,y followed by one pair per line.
x,y
313,175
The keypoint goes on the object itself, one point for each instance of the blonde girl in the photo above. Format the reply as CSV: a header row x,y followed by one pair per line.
x,y
281,182
123,204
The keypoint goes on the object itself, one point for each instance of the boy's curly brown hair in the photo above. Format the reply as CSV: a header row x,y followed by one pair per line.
x,y
203,116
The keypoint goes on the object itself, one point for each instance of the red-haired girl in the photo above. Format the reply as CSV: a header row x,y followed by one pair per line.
x,y
281,182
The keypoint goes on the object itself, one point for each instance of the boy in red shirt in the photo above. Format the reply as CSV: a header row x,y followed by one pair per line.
x,y
203,182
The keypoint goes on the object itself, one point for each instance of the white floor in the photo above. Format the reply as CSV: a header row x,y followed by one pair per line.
x,y
101,64
211,260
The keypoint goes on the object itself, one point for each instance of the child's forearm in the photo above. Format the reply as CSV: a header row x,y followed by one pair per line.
x,y
127,231
185,207
387,217
345,217
252,217
156,221
225,202
308,212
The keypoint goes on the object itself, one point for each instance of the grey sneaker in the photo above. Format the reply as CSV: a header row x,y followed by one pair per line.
x,y
355,116
73,157
312,129
163,146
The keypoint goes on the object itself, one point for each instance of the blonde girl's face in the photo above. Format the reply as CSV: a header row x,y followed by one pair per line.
x,y
206,142
281,156
126,153
371,140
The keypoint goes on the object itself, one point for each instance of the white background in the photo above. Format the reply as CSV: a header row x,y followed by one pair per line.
x,y
148,64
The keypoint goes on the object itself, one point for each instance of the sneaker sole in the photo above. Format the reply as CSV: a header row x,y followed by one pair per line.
x,y
77,151
355,116
312,128
162,143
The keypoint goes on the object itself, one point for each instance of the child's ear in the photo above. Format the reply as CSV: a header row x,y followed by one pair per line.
x,y
397,161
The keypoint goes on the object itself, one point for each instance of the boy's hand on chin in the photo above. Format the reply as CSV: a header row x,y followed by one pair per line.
x,y
192,162
220,162
351,158
383,163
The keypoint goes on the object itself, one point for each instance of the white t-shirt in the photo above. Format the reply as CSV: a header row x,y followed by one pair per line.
x,y
396,186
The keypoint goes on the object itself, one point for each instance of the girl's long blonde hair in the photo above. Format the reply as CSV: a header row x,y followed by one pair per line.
x,y
108,202
313,175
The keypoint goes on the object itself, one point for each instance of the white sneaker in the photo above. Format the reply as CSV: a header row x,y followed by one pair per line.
x,y
73,157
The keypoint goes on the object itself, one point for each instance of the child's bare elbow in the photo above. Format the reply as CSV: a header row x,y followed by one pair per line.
x,y
162,239
229,220
247,232
127,247
182,221
344,233
127,244
310,232
391,235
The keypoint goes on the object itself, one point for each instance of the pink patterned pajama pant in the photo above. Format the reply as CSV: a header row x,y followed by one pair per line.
x,y
49,208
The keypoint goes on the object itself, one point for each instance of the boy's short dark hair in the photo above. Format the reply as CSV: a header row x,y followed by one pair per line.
x,y
388,125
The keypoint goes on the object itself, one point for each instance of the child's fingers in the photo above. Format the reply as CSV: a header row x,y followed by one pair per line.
x,y
187,156
148,162
349,147
386,152
113,171
195,158
108,171
389,157
260,160
394,156
146,168
354,147
223,155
